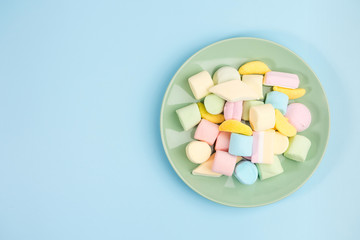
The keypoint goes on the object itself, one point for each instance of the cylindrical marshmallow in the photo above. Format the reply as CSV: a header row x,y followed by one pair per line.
x,y
262,117
233,110
240,145
281,79
299,116
279,100
198,152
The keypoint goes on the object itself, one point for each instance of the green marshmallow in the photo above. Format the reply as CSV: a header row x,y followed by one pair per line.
x,y
214,104
246,108
298,148
270,170
189,116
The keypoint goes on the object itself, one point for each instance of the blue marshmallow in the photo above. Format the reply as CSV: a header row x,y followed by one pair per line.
x,y
246,172
279,100
240,145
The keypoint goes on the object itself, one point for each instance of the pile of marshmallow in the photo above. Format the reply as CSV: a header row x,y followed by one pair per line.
x,y
238,132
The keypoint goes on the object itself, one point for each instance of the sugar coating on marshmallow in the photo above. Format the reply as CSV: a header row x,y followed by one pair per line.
x,y
234,90
246,172
198,151
263,147
207,131
262,117
226,73
281,79
189,116
281,143
224,163
240,145
298,148
256,83
246,108
233,110
299,116
200,84
205,169
214,104
223,141
270,170
279,100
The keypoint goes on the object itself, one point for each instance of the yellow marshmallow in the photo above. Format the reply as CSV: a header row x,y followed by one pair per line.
x,y
281,143
235,127
283,126
218,118
292,93
254,67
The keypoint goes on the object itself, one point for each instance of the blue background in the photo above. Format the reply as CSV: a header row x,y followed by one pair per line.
x,y
81,85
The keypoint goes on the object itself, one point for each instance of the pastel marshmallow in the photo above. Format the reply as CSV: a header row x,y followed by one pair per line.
x,y
283,126
224,163
198,151
262,117
189,116
206,132
281,143
254,67
234,90
246,172
233,110
200,84
205,169
263,147
214,104
299,116
218,118
270,170
298,148
235,126
226,73
281,79
223,141
240,145
246,108
279,100
256,83
292,93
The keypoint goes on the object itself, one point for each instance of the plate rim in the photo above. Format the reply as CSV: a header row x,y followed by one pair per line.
x,y
163,105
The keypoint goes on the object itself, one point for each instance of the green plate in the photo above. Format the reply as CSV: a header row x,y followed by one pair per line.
x,y
227,190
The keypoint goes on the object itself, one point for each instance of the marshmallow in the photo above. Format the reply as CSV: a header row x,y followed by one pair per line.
x,y
235,126
246,108
240,145
226,73
298,148
214,104
263,147
281,143
218,118
200,84
255,82
198,152
254,67
292,93
206,132
299,116
286,80
283,126
279,100
262,117
205,169
224,163
233,110
246,172
189,116
223,141
270,170
234,90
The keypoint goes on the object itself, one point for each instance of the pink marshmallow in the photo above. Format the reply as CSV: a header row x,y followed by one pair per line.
x,y
224,163
207,131
299,116
223,141
233,110
286,80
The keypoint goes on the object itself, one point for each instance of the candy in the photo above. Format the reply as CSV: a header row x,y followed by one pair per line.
x,y
205,169
281,143
235,126
189,116
263,147
223,141
226,73
278,100
207,131
299,116
218,118
240,145
283,126
270,170
233,110
262,117
200,84
292,93
214,104
255,82
298,148
286,80
224,163
255,67
233,91
246,108
198,152
246,172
